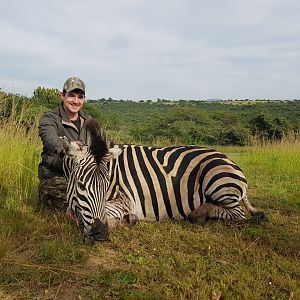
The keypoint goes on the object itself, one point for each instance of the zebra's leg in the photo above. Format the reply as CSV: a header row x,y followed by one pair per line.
x,y
202,214
130,219
113,222
120,211
211,211
228,211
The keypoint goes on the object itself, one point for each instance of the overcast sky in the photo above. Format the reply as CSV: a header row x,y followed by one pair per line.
x,y
149,49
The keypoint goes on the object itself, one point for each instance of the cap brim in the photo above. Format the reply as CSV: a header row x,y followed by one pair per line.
x,y
74,88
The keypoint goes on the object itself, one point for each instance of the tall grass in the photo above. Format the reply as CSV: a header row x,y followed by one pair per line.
x,y
19,157
278,163
272,169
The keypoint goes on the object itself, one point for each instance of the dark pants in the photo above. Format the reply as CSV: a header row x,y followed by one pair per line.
x,y
53,192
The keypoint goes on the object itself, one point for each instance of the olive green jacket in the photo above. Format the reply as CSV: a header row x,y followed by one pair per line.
x,y
52,126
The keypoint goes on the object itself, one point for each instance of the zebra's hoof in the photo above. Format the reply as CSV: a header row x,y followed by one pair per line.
x,y
258,218
198,216
198,221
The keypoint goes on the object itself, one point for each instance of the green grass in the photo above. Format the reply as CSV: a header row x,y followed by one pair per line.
x,y
273,171
42,254
18,163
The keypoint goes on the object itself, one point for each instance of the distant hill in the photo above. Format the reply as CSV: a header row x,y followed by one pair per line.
x,y
214,99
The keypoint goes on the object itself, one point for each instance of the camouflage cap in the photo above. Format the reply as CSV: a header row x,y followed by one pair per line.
x,y
74,83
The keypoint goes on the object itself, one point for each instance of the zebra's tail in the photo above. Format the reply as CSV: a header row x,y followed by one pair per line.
x,y
245,201
257,217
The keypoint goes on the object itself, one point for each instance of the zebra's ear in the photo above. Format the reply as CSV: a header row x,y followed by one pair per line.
x,y
113,153
68,148
73,148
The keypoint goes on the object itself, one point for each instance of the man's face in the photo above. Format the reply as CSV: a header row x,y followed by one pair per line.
x,y
73,102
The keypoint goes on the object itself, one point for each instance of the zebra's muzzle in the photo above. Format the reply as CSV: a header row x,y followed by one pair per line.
x,y
98,232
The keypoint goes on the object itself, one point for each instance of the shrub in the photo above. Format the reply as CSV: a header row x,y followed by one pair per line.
x,y
270,127
46,95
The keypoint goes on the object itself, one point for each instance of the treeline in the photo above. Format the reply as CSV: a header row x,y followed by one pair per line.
x,y
177,122
212,123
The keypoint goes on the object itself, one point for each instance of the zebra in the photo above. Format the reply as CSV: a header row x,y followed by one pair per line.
x,y
121,185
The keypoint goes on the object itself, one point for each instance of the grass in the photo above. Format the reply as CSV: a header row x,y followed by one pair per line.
x,y
42,254
273,170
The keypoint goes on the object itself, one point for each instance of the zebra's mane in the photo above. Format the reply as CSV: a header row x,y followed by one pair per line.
x,y
98,147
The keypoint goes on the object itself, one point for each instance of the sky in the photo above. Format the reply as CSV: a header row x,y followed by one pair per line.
x,y
150,49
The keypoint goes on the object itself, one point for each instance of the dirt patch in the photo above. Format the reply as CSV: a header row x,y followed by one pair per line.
x,y
98,260
104,261
64,292
5,296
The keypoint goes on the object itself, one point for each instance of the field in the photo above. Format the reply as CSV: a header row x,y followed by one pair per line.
x,y
42,254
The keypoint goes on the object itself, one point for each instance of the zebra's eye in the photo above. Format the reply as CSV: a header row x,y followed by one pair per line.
x,y
81,185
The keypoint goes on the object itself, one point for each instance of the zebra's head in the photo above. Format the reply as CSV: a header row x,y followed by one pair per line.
x,y
86,169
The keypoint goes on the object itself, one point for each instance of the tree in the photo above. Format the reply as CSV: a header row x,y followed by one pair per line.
x,y
46,95
270,127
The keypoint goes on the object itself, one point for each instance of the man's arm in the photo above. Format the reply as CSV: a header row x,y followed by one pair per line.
x,y
48,132
53,149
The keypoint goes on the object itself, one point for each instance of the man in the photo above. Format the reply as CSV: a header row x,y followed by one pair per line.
x,y
65,120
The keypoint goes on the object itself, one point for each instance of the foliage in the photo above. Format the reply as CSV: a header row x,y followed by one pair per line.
x,y
22,110
196,122
176,122
20,150
46,95
12,105
270,127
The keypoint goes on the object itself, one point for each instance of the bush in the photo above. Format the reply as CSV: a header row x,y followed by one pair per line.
x,y
233,135
12,105
46,95
270,127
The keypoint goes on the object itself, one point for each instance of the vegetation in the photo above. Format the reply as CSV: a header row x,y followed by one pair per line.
x,y
198,122
176,122
42,254
47,96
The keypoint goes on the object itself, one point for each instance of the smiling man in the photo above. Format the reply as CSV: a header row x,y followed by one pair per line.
x,y
65,120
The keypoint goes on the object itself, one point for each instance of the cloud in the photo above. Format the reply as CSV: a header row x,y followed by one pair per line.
x,y
138,49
